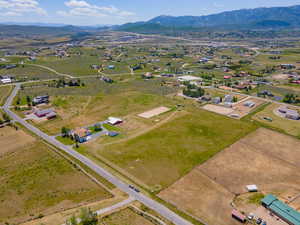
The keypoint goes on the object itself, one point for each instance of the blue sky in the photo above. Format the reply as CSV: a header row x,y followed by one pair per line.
x,y
94,12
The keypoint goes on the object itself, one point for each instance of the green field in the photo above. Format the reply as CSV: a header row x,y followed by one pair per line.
x,y
162,156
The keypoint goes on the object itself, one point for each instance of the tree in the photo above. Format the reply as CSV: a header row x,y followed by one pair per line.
x,y
72,221
87,217
28,100
65,131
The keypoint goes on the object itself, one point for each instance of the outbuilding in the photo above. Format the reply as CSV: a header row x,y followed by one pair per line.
x,y
114,120
252,188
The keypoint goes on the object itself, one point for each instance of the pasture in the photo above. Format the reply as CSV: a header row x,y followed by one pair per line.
x,y
163,155
35,181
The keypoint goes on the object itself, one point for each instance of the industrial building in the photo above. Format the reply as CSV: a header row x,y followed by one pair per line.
x,y
282,210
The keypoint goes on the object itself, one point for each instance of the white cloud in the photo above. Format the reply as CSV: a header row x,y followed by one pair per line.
x,y
20,7
78,8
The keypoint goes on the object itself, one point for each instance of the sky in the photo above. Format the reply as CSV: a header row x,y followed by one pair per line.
x,y
108,12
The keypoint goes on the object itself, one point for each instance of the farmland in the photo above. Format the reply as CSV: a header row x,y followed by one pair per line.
x,y
36,181
209,189
180,145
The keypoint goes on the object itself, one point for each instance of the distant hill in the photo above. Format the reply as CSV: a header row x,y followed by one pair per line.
x,y
274,17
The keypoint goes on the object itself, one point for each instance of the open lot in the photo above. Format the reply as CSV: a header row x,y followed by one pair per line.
x,y
291,127
163,155
36,181
200,196
218,109
265,158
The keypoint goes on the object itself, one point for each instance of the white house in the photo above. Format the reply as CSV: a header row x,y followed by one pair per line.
x,y
6,81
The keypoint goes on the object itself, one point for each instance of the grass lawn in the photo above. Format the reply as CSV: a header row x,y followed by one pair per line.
x,y
162,156
125,217
4,93
35,180
65,141
291,127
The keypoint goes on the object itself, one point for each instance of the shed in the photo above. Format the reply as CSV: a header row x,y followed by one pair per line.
x,y
252,188
114,120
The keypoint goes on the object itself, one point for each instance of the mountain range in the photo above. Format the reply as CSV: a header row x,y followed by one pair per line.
x,y
274,17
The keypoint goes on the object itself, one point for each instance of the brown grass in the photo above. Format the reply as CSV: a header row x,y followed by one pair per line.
x,y
265,158
35,180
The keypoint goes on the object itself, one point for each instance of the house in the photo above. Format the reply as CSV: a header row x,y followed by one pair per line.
x,y
249,104
10,66
44,112
81,134
252,188
228,99
287,66
292,114
41,100
238,216
147,75
6,80
226,77
282,210
114,121
95,67
217,100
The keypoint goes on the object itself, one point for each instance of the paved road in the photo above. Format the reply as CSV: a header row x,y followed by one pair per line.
x,y
147,201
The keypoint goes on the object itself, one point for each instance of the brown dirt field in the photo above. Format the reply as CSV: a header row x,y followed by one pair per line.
x,y
200,196
264,158
12,140
218,109
154,112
